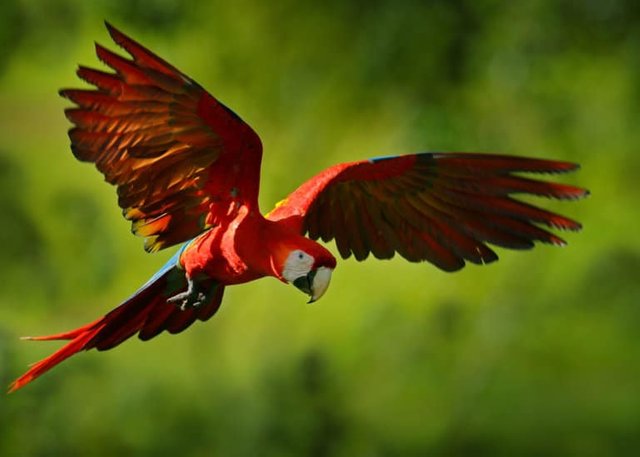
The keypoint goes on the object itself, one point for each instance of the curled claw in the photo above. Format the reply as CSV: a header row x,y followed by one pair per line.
x,y
184,297
194,297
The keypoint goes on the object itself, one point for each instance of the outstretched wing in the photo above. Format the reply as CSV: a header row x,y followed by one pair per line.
x,y
440,207
171,149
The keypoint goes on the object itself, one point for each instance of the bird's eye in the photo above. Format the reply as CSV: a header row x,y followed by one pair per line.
x,y
300,255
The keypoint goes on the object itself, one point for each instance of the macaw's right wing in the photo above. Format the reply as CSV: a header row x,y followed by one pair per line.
x,y
171,148
440,207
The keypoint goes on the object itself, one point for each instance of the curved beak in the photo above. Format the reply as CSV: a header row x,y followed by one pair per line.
x,y
315,283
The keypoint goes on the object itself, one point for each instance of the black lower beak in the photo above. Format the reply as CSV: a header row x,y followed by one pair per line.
x,y
304,283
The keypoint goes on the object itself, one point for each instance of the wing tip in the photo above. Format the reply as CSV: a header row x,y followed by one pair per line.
x,y
100,52
116,35
560,167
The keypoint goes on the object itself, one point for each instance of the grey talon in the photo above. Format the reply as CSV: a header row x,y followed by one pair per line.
x,y
196,295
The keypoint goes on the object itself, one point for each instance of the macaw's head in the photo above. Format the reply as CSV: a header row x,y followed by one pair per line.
x,y
308,267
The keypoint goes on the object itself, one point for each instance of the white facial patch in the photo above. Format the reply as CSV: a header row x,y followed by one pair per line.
x,y
298,264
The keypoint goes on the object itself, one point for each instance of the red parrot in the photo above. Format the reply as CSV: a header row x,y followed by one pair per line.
x,y
187,170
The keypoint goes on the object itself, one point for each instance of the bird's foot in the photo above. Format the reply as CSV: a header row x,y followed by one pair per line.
x,y
194,297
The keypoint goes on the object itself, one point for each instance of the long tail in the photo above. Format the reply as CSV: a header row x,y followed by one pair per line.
x,y
146,312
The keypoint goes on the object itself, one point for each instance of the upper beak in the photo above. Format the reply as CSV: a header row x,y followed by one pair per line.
x,y
315,283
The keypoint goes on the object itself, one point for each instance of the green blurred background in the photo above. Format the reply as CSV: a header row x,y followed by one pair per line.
x,y
537,354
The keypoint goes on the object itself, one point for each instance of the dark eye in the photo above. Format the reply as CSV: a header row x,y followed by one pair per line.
x,y
300,255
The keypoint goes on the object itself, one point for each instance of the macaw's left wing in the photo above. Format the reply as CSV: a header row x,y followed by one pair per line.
x,y
440,207
173,151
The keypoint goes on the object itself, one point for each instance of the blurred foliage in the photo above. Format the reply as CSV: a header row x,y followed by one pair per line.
x,y
534,355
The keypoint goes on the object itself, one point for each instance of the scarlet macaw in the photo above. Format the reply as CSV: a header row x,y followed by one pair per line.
x,y
187,170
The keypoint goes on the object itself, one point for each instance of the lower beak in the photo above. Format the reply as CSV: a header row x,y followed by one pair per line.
x,y
315,283
305,283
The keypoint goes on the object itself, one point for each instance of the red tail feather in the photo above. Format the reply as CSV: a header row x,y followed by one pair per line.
x,y
77,344
146,312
